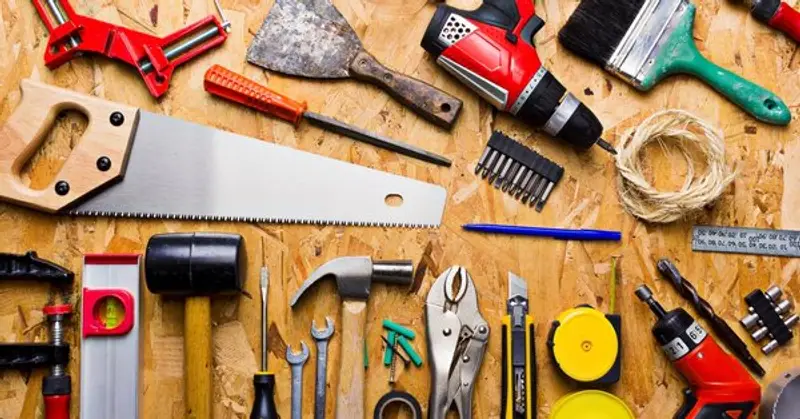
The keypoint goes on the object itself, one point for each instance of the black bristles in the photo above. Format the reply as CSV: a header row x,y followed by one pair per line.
x,y
597,27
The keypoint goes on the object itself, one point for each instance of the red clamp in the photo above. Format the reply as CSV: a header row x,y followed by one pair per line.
x,y
155,58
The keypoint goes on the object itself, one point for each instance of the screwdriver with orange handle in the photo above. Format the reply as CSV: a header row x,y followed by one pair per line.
x,y
224,83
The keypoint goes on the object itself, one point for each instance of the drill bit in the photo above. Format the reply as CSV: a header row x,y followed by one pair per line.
x,y
704,309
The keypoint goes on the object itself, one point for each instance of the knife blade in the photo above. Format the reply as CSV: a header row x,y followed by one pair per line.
x,y
311,38
519,356
160,167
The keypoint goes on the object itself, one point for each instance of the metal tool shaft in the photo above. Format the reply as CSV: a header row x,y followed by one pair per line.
x,y
377,140
296,361
59,17
720,327
186,45
264,287
322,337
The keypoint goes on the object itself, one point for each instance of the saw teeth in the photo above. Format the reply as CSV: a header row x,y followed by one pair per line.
x,y
251,220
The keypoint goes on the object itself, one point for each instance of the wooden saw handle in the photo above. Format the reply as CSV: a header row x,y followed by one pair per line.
x,y
350,401
197,356
429,102
26,129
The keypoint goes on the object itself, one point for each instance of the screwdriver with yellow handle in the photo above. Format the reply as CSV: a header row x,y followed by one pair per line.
x,y
519,356
264,380
224,83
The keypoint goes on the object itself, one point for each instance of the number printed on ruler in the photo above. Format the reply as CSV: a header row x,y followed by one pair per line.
x,y
750,241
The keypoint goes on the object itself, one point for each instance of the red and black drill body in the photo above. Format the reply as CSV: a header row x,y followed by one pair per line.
x,y
491,50
719,386
779,15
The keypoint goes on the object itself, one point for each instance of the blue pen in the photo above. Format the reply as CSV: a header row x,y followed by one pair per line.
x,y
556,233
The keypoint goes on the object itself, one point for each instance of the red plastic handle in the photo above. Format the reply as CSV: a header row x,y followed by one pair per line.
x,y
56,407
220,81
787,20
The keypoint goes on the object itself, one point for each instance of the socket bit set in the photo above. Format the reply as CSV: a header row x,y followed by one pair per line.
x,y
769,316
519,171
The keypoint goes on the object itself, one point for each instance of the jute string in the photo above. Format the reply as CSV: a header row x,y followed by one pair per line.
x,y
681,130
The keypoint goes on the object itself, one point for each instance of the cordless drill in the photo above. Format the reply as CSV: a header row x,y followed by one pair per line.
x,y
720,387
491,50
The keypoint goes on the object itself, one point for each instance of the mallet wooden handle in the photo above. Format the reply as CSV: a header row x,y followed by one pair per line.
x,y
26,129
350,401
197,355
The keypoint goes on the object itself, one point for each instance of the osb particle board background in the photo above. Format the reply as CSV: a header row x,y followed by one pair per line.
x,y
766,193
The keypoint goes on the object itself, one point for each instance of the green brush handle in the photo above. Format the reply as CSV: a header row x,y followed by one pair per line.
x,y
680,55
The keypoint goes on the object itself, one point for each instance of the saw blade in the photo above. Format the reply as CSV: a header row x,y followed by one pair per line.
x,y
307,38
181,170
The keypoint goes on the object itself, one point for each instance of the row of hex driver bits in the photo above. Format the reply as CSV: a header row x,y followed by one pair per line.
x,y
769,316
518,170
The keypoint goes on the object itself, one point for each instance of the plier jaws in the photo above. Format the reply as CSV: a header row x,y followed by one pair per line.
x,y
457,337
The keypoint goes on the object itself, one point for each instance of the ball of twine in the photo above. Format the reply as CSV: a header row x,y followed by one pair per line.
x,y
683,130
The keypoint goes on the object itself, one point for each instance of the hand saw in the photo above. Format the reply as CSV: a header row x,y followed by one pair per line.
x,y
135,164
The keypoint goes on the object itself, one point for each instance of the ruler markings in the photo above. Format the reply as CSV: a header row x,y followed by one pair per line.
x,y
750,241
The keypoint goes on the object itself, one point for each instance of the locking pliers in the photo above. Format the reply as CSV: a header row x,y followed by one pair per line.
x,y
457,337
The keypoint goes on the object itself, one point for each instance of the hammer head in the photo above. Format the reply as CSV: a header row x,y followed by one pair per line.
x,y
195,264
355,275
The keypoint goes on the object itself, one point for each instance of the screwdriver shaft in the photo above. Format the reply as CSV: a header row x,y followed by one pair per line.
x,y
375,139
264,286
264,381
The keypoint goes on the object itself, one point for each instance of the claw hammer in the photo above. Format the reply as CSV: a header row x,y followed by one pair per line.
x,y
354,277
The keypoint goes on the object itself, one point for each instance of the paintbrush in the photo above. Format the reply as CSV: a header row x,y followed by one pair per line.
x,y
644,41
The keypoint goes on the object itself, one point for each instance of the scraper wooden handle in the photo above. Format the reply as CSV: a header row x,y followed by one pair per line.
x,y
108,136
431,103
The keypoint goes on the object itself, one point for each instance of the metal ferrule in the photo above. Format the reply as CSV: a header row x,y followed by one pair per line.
x,y
635,54
562,114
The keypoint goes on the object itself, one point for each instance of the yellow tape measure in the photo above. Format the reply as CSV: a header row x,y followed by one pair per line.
x,y
591,404
585,345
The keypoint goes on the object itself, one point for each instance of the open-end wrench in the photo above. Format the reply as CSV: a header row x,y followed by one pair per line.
x,y
297,360
322,336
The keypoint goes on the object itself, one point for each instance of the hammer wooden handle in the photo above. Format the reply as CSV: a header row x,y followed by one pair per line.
x,y
197,355
350,401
